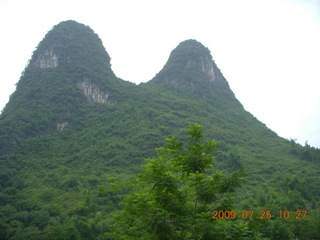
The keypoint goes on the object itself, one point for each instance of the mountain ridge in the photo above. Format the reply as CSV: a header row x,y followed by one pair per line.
x,y
57,53
72,124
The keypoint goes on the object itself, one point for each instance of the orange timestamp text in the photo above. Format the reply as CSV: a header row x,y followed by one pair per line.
x,y
262,214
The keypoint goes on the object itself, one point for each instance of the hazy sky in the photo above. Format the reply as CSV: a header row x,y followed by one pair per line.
x,y
268,50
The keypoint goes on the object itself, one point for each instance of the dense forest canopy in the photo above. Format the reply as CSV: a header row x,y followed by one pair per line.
x,y
74,135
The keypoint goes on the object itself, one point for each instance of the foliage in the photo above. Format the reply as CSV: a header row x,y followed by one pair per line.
x,y
307,152
49,178
175,194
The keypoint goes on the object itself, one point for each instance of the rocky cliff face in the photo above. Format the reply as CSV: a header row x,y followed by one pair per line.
x,y
48,59
208,69
62,126
93,93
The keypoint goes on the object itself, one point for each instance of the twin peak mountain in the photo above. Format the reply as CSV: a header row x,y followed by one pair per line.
x,y
73,125
74,49
69,74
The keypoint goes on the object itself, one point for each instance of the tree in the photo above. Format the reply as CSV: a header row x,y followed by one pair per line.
x,y
173,198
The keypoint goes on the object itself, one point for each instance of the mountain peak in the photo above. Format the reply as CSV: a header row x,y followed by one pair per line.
x,y
190,66
75,57
193,56
68,72
62,43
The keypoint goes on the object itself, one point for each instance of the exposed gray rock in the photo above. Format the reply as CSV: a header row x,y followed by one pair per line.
x,y
208,69
93,93
62,126
48,59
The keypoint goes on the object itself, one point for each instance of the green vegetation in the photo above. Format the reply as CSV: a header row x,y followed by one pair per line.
x,y
174,197
49,179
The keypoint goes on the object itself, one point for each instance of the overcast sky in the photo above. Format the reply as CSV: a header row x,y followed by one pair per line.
x,y
268,50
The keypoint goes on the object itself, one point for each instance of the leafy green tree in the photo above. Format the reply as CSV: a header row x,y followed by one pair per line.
x,y
173,198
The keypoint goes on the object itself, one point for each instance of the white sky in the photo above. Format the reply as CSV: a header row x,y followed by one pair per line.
x,y
268,50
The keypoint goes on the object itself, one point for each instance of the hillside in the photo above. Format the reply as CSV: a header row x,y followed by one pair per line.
x,y
72,124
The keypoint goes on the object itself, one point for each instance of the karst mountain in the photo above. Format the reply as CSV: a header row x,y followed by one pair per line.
x,y
72,125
